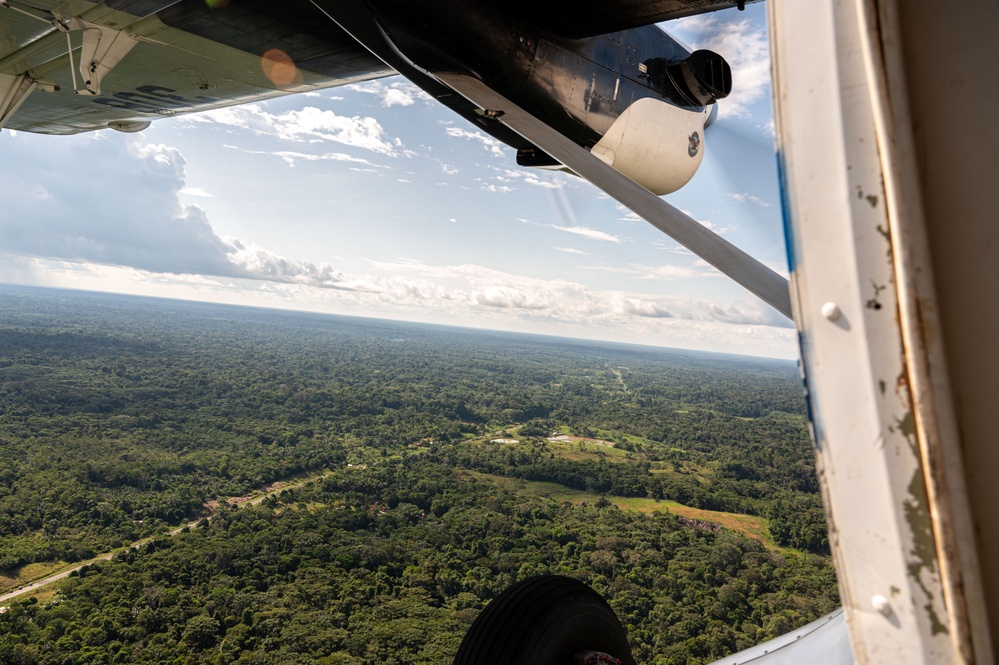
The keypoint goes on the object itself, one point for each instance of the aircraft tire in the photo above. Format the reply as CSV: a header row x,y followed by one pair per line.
x,y
544,621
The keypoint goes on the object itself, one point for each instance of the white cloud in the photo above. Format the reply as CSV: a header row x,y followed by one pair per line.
x,y
538,182
746,197
291,157
494,146
195,191
545,179
447,168
640,307
509,297
586,232
308,124
698,270
743,45
749,311
708,224
720,230
396,97
143,225
628,215
570,250
454,288
767,128
397,93
258,263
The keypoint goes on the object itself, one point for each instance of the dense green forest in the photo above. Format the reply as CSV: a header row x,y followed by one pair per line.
x,y
122,417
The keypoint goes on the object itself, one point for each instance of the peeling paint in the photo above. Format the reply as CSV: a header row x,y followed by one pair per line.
x,y
907,426
873,200
922,566
882,386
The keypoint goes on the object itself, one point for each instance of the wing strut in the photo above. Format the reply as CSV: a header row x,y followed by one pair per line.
x,y
723,255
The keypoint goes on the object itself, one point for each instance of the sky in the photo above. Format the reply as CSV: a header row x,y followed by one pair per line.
x,y
373,200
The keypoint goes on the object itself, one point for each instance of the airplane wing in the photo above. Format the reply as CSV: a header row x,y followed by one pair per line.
x,y
70,66
146,59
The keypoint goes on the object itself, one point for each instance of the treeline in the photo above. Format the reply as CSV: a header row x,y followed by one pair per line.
x,y
391,564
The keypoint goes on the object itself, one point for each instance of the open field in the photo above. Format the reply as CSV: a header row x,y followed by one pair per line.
x,y
750,526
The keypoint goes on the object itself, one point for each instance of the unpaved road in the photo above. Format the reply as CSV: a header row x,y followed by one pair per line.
x,y
270,489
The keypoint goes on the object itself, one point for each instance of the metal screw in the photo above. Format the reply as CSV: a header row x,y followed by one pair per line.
x,y
880,603
832,312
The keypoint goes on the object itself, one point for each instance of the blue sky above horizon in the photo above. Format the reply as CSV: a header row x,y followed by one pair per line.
x,y
373,200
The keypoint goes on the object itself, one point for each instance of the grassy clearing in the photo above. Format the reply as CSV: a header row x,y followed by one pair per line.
x,y
750,526
592,449
30,573
42,595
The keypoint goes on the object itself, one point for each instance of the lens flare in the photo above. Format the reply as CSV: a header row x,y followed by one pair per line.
x,y
216,4
280,69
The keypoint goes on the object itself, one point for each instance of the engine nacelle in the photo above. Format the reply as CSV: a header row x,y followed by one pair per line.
x,y
656,144
703,77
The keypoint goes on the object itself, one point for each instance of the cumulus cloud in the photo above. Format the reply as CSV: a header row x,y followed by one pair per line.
x,y
582,313
259,263
142,224
640,307
456,288
508,297
308,124
743,45
395,93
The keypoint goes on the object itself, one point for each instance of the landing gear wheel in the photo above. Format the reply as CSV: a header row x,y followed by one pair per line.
x,y
548,620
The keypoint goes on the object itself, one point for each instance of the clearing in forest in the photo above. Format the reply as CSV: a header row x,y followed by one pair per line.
x,y
751,526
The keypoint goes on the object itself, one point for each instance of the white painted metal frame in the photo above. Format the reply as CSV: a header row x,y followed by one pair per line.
x,y
863,297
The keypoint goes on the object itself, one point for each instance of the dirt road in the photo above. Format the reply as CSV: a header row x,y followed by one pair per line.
x,y
268,490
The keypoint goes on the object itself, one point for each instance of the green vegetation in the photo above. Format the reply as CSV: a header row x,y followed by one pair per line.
x,y
121,418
